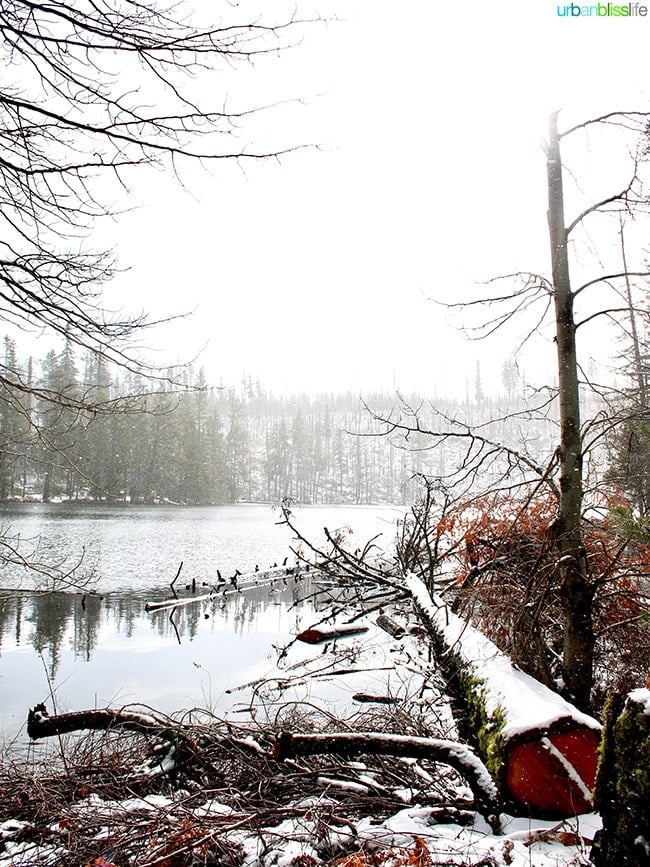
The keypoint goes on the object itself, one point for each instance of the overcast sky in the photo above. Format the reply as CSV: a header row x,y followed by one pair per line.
x,y
316,272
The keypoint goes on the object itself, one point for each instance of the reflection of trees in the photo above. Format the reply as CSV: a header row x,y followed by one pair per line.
x,y
50,615
45,619
48,621
86,622
11,612
125,611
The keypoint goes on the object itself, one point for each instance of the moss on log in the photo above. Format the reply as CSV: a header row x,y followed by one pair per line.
x,y
540,750
623,784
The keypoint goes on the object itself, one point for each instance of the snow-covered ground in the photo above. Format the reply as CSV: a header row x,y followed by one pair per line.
x,y
296,840
313,828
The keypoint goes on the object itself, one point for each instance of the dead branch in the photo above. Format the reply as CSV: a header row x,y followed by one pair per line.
x,y
191,742
458,756
41,725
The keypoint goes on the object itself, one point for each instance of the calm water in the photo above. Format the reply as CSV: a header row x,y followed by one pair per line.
x,y
106,649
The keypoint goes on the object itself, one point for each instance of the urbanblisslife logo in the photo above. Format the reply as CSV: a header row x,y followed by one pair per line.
x,y
603,10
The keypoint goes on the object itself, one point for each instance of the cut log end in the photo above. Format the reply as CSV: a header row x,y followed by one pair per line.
x,y
554,775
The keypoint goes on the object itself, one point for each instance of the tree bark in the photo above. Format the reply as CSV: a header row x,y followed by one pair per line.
x,y
458,756
623,784
577,594
541,751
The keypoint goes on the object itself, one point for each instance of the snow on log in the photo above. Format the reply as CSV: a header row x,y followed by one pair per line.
x,y
319,634
458,756
541,750
623,786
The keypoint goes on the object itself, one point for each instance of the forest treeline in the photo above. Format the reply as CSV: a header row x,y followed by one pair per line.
x,y
110,436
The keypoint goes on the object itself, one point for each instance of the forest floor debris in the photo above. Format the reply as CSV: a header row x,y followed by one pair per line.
x,y
110,799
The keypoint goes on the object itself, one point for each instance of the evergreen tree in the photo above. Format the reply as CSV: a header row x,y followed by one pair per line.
x,y
14,424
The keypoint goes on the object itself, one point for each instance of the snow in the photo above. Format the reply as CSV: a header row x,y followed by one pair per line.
x,y
96,807
524,702
522,842
11,828
23,854
405,795
642,697
213,808
643,843
344,785
29,855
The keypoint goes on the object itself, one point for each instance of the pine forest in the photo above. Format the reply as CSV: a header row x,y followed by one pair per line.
x,y
117,438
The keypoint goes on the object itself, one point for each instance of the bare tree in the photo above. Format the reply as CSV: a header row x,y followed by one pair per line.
x,y
562,473
92,93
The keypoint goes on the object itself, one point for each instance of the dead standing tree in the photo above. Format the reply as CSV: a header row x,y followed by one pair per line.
x,y
576,585
563,473
576,591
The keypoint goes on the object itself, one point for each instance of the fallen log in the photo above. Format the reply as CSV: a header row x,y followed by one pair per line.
x,y
541,750
375,699
390,626
177,602
41,725
458,756
234,584
320,634
187,745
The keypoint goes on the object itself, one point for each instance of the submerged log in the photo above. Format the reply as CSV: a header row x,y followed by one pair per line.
x,y
177,602
541,750
319,634
236,583
375,699
458,756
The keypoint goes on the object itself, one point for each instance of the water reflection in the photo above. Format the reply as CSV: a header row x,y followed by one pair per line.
x,y
106,649
98,649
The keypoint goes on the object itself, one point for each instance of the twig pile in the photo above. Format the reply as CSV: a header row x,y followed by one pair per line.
x,y
111,795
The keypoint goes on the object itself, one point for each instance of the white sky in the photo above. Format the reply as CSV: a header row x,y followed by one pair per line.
x,y
314,273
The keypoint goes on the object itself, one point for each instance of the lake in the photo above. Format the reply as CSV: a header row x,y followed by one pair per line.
x,y
81,650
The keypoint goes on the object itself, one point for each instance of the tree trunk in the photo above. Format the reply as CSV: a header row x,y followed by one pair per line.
x,y
541,751
623,784
577,594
